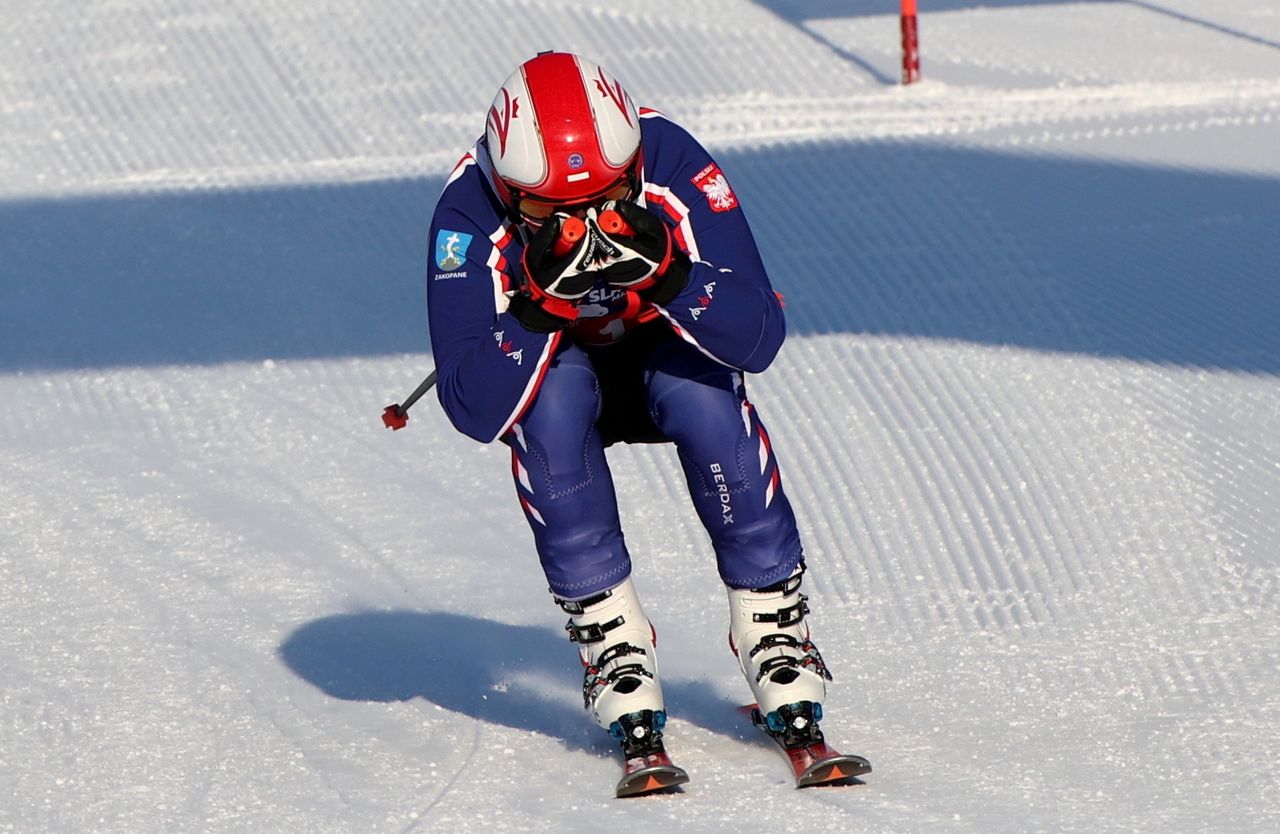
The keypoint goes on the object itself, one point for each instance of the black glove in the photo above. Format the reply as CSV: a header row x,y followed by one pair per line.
x,y
642,256
556,275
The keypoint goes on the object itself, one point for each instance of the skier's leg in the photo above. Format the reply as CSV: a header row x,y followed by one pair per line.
x,y
564,484
728,463
566,490
733,479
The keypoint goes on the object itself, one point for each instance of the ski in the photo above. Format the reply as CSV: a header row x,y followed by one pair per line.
x,y
649,773
646,767
797,737
818,764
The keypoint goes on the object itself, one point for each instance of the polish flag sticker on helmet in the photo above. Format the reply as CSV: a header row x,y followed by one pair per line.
x,y
575,164
711,181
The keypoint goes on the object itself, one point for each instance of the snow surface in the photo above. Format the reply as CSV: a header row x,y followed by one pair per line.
x,y
1029,415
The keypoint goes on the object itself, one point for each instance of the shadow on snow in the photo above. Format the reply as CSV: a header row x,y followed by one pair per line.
x,y
1154,264
522,677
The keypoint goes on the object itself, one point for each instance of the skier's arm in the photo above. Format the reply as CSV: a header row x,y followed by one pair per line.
x,y
489,365
728,308
730,313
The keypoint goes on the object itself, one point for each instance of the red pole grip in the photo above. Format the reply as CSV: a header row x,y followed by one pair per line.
x,y
572,230
611,223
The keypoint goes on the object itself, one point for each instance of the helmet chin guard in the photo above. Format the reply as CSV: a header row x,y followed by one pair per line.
x,y
561,131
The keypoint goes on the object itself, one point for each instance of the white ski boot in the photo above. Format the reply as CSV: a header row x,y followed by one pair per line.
x,y
787,675
620,679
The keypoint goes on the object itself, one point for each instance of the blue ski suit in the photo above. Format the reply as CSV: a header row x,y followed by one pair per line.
x,y
653,374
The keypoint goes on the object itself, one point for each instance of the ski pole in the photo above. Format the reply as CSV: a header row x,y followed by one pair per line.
x,y
396,415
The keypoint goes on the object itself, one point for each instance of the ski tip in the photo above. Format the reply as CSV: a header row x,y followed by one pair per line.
x,y
844,770
651,780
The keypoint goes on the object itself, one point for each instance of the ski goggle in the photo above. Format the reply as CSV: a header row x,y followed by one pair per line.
x,y
537,210
533,210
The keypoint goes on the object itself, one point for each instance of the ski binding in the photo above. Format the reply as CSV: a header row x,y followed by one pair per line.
x,y
646,767
794,729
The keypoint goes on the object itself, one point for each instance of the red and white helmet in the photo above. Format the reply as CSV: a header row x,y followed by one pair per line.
x,y
562,134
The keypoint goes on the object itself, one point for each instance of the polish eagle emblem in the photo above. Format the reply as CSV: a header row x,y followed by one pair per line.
x,y
712,182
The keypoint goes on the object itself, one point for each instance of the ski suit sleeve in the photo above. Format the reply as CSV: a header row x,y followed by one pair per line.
x,y
488,365
728,309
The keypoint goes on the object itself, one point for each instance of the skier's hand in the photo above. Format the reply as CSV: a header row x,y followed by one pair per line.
x,y
643,255
556,275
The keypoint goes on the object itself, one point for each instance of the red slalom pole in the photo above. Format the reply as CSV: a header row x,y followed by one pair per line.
x,y
910,43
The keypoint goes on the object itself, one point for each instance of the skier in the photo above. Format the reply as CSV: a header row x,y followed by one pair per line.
x,y
594,281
